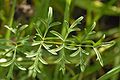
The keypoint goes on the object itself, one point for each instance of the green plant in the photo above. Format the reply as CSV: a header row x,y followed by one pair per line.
x,y
64,49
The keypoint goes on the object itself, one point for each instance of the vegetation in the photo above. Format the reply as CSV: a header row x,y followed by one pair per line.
x,y
59,40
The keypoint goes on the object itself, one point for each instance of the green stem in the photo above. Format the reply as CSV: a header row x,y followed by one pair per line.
x,y
11,20
66,16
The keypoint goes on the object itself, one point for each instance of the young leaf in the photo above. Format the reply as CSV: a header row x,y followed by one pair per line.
x,y
58,60
9,62
44,22
76,22
36,43
20,67
46,46
50,13
42,60
74,29
53,52
111,43
23,27
11,29
31,67
38,70
75,53
30,54
37,25
82,66
99,41
70,48
87,32
62,67
57,34
89,29
98,56
54,24
10,50
57,49
85,52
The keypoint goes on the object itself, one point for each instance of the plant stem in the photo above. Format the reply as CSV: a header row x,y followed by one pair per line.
x,y
11,20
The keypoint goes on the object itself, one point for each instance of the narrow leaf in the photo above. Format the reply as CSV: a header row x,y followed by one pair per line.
x,y
54,24
76,22
31,67
57,34
99,41
42,60
20,67
57,49
82,66
50,13
35,43
70,48
11,29
85,52
23,27
38,70
98,56
75,53
37,25
9,62
30,54
10,50
89,29
53,52
58,60
74,29
110,73
46,46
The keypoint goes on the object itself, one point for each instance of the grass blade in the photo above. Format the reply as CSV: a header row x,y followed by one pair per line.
x,y
110,73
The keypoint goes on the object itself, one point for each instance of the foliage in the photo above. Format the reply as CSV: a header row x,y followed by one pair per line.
x,y
47,49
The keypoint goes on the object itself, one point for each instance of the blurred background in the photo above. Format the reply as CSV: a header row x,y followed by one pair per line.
x,y
106,13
